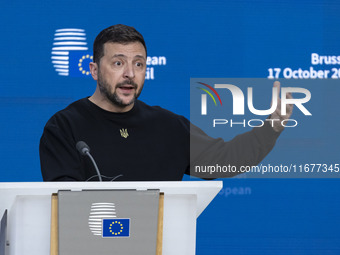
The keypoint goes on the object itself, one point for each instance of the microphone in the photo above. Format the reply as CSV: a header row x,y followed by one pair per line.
x,y
84,150
82,147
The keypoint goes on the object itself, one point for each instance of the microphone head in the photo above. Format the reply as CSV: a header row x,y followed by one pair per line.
x,y
82,147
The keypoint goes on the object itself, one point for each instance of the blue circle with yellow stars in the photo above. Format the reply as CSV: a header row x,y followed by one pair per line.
x,y
84,64
116,228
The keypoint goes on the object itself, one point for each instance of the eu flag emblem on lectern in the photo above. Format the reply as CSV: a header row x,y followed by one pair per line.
x,y
116,227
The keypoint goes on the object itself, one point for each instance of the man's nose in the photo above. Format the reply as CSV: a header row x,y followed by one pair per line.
x,y
129,71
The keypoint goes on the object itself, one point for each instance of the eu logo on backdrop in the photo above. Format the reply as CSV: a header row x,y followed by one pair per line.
x,y
67,41
80,63
116,227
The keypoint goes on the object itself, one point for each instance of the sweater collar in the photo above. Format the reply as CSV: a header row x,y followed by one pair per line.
x,y
100,110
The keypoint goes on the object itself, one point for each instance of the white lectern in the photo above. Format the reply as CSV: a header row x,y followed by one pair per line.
x,y
29,211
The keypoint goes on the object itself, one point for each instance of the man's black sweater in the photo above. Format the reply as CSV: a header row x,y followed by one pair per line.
x,y
147,143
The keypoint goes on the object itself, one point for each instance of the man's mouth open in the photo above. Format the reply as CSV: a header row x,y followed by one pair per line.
x,y
127,88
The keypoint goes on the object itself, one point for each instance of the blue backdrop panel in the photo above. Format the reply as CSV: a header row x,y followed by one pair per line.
x,y
186,39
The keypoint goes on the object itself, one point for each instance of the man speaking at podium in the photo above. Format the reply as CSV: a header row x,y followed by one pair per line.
x,y
130,140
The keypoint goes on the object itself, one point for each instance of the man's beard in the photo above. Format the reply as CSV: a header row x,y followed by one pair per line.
x,y
104,88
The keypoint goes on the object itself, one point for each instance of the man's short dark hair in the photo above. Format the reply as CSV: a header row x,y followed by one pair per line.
x,y
116,34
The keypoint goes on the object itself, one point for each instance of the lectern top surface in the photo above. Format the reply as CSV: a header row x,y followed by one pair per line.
x,y
204,190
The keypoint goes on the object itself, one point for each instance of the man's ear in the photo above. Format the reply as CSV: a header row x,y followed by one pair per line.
x,y
94,70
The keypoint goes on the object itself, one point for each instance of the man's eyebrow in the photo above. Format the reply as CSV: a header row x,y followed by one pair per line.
x,y
118,55
140,56
124,56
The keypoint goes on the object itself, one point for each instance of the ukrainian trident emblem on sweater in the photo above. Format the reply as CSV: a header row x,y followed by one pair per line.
x,y
124,133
